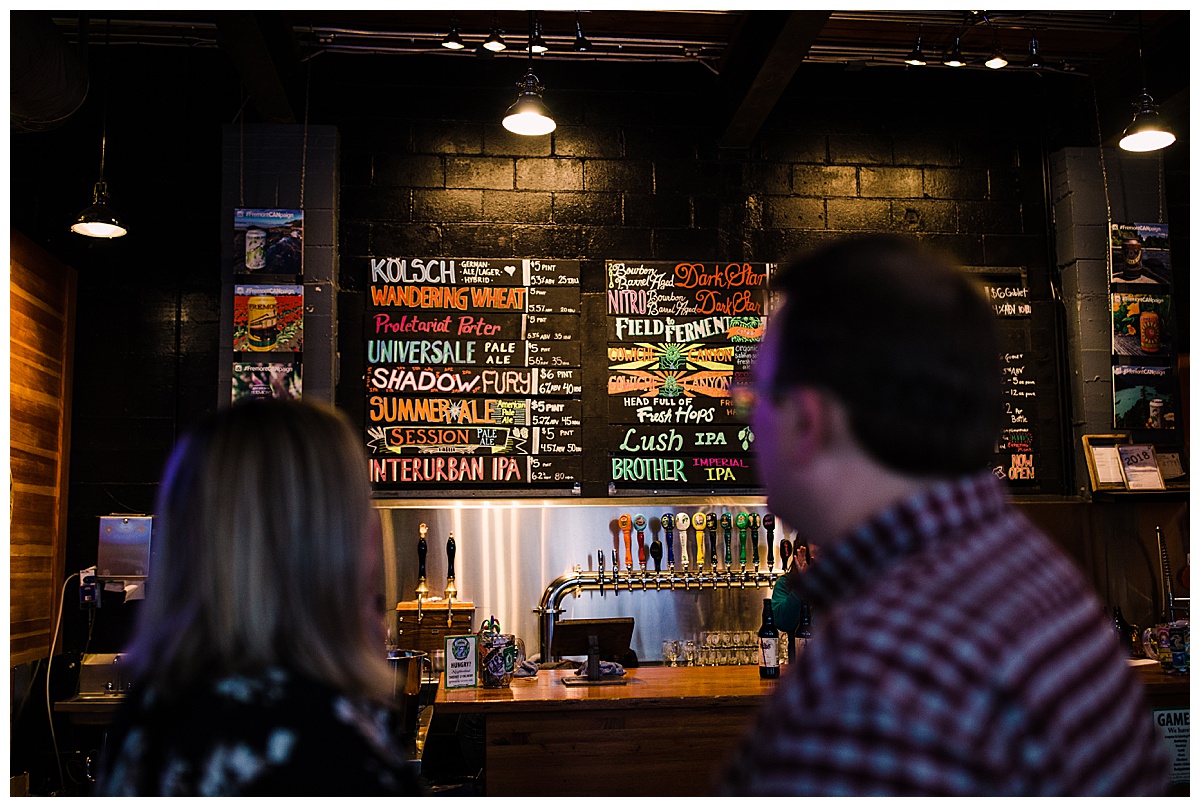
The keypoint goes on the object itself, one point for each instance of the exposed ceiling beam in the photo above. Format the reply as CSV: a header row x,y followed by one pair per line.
x,y
762,58
262,47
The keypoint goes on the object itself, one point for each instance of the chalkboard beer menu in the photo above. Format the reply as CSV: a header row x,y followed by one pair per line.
x,y
1016,448
473,373
681,336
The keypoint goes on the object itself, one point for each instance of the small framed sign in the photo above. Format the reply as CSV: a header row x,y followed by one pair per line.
x,y
1103,460
1140,466
460,661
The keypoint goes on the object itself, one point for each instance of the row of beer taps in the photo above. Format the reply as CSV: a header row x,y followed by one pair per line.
x,y
704,524
423,588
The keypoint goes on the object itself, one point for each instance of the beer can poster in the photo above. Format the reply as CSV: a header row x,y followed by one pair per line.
x,y
268,319
266,380
1143,397
269,242
1141,254
1141,324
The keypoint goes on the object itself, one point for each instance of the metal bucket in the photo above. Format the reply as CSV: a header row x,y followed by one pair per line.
x,y
407,666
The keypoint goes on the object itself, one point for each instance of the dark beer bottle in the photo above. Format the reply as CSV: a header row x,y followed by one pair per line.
x,y
768,644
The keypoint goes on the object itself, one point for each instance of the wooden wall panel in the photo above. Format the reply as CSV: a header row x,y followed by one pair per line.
x,y
42,316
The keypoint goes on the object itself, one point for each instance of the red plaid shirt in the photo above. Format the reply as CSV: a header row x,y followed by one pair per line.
x,y
956,652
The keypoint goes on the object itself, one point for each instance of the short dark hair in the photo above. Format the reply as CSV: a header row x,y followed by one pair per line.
x,y
904,340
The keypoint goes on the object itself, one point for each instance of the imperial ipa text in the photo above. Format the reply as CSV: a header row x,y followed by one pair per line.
x,y
262,322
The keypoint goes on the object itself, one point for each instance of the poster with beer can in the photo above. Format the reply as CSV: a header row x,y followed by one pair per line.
x,y
1141,324
1141,254
1144,397
268,242
268,318
258,379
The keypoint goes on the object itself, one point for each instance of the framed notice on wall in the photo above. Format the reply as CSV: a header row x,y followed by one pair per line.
x,y
269,242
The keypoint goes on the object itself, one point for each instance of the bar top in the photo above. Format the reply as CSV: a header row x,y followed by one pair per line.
x,y
663,687
647,687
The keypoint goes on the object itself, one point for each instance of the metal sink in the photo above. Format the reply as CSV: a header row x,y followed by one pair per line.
x,y
92,709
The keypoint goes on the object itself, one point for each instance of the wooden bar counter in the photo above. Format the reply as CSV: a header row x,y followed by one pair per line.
x,y
665,733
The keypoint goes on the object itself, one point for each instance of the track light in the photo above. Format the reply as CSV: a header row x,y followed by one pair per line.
x,y
917,57
581,43
1147,132
452,40
955,59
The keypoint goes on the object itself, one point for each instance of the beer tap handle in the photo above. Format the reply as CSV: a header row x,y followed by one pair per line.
x,y
699,524
754,522
682,522
656,553
639,523
727,528
625,523
769,525
600,569
742,522
785,554
422,586
451,589
668,525
616,575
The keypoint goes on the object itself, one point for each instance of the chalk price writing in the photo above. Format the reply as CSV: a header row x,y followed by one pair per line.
x,y
513,381
497,326
473,411
474,271
688,471
508,470
636,439
666,411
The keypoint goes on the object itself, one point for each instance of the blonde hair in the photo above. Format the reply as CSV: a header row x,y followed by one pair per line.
x,y
263,553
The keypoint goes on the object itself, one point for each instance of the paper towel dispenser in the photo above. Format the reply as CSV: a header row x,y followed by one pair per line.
x,y
124,552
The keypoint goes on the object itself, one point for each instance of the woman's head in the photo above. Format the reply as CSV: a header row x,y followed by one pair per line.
x,y
266,552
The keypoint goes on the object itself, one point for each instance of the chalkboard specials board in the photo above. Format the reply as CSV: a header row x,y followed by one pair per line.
x,y
473,373
480,375
681,336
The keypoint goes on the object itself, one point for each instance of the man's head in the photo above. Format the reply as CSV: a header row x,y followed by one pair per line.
x,y
903,342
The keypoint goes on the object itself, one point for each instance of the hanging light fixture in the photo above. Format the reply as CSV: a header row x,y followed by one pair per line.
x,y
581,43
997,59
1147,131
955,58
1035,60
98,220
529,114
536,43
494,42
452,40
917,57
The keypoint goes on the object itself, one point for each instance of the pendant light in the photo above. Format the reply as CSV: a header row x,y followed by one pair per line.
x,y
452,40
1035,60
98,220
955,59
997,59
529,114
536,43
917,57
494,42
581,43
1147,132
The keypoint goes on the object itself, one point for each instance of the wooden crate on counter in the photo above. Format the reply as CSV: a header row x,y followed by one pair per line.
x,y
429,634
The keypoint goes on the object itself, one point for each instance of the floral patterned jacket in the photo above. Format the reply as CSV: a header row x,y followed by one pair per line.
x,y
274,733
